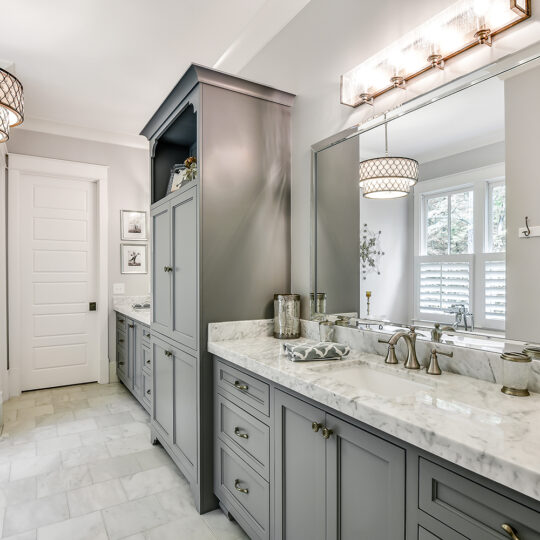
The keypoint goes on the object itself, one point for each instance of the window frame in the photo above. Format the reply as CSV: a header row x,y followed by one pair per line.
x,y
479,180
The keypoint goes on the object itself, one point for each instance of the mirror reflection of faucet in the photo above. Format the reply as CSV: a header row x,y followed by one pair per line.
x,y
463,317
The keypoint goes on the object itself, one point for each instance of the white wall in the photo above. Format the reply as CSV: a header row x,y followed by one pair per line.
x,y
308,56
128,184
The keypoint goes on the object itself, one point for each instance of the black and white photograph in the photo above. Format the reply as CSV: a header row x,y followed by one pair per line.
x,y
133,225
133,259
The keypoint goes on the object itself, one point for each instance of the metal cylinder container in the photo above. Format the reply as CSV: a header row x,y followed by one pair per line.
x,y
516,371
286,316
317,305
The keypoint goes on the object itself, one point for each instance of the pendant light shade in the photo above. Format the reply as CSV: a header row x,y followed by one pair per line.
x,y
11,97
387,177
4,125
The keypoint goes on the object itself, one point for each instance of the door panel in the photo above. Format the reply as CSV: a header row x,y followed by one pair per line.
x,y
56,240
161,279
366,485
185,407
138,361
184,261
163,387
299,476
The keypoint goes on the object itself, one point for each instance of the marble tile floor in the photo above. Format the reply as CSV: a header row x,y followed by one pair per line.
x,y
76,463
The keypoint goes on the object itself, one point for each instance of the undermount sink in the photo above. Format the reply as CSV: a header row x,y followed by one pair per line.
x,y
376,381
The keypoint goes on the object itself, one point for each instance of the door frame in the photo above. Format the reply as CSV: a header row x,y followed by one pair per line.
x,y
68,170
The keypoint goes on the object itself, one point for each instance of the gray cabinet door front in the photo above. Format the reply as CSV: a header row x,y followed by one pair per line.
x,y
163,387
300,510
161,275
131,337
184,225
365,483
138,361
185,408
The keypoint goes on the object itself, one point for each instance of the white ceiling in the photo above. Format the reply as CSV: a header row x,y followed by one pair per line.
x,y
469,119
96,68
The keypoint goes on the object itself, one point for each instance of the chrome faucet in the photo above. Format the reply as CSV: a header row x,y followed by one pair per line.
x,y
462,316
410,339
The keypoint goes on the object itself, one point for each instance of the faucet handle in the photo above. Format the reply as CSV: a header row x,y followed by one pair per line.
x,y
384,340
434,368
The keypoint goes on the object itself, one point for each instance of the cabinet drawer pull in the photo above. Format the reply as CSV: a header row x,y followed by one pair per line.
x,y
238,488
149,391
167,268
121,363
327,433
131,325
120,340
121,320
241,386
146,335
239,434
168,353
510,531
315,426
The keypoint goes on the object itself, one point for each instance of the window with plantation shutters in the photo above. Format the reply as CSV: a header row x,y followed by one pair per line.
x,y
460,245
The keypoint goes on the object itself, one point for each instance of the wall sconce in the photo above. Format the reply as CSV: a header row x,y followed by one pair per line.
x,y
460,27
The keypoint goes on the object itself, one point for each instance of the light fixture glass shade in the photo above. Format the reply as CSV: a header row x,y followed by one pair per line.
x,y
4,125
11,97
387,177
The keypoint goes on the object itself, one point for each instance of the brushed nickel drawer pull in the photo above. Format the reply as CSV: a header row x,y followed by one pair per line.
x,y
327,433
168,353
315,426
239,434
241,386
242,490
512,533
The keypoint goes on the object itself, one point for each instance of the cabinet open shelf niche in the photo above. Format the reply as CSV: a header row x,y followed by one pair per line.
x,y
172,147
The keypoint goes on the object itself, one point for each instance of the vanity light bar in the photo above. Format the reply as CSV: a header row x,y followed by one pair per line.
x,y
463,25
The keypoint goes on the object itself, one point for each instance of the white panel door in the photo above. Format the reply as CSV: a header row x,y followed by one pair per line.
x,y
57,238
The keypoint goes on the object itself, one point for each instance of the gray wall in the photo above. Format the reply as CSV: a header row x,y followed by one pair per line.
x,y
523,199
128,185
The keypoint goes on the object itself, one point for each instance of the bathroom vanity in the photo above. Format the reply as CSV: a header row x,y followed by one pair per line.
x,y
359,449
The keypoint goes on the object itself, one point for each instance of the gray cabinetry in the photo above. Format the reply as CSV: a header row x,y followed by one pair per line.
x,y
161,269
163,388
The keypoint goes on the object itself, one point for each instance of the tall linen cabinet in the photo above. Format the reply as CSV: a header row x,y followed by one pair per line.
x,y
220,245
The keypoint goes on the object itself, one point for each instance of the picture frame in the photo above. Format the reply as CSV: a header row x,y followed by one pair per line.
x,y
133,258
134,225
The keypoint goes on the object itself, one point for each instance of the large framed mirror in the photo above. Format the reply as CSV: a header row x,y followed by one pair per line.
x,y
447,257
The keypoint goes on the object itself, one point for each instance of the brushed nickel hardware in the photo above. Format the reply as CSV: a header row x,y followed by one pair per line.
x,y
167,269
149,391
327,433
433,368
168,353
410,339
241,386
462,316
242,490
512,533
315,426
238,433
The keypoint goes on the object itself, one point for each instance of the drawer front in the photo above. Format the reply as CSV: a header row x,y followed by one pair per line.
x,y
247,389
145,335
471,509
121,339
245,488
245,434
121,361
146,359
121,322
147,389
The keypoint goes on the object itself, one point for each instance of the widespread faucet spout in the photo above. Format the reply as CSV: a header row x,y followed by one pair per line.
x,y
410,340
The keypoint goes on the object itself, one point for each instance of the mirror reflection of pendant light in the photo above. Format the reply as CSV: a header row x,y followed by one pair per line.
x,y
11,103
387,177
4,125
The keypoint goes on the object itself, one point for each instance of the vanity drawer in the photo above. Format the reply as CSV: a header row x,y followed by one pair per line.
x,y
247,389
121,361
145,335
121,322
244,490
249,437
146,359
147,389
471,509
121,339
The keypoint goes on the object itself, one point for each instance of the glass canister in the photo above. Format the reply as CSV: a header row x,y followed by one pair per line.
x,y
286,316
317,306
516,371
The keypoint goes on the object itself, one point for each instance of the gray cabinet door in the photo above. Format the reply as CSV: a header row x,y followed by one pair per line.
x,y
184,225
163,388
300,482
365,485
185,408
161,262
138,361
131,346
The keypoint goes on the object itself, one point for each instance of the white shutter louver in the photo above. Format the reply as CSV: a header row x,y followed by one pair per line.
x,y
495,290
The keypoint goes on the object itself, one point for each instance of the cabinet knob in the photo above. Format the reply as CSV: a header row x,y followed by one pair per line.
x,y
327,433
238,488
167,268
512,533
241,386
120,340
121,363
149,391
315,426
148,362
146,334
238,433
131,325
121,320
168,353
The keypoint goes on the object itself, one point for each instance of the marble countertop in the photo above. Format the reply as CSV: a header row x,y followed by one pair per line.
x,y
466,421
142,316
